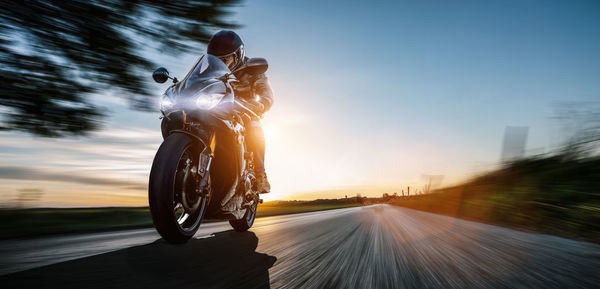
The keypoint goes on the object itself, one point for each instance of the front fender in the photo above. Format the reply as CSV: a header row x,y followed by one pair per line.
x,y
204,139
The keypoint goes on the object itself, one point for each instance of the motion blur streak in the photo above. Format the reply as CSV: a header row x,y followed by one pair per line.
x,y
387,247
367,247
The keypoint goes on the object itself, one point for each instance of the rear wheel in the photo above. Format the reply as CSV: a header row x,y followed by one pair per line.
x,y
247,221
176,203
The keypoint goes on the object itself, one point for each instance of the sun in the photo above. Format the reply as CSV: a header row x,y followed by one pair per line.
x,y
271,132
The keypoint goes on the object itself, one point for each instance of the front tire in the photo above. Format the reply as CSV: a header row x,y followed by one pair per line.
x,y
176,205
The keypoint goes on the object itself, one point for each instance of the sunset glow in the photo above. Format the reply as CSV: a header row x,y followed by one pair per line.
x,y
432,100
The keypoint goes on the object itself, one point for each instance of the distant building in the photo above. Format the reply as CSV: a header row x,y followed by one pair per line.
x,y
514,142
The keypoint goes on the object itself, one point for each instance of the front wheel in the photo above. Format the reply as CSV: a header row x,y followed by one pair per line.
x,y
247,221
176,203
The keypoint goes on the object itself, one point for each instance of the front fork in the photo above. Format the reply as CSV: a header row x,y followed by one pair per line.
x,y
204,173
205,160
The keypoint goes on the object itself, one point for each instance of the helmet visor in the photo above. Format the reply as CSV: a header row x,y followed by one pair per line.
x,y
233,59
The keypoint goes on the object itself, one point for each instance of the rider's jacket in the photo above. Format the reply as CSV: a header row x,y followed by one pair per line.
x,y
253,88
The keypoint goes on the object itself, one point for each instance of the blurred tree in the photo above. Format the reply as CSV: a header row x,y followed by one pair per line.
x,y
27,196
54,53
580,123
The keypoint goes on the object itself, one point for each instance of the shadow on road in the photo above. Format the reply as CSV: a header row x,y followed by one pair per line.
x,y
227,260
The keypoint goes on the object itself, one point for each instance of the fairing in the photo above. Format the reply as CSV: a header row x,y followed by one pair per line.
x,y
200,85
228,163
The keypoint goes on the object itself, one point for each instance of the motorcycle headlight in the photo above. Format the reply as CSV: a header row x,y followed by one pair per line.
x,y
208,101
210,96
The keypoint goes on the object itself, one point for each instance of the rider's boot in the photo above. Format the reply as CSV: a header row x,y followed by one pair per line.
x,y
263,184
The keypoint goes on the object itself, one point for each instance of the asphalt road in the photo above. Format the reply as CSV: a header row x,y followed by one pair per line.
x,y
369,247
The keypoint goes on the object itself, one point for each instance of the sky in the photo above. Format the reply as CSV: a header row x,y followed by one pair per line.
x,y
369,98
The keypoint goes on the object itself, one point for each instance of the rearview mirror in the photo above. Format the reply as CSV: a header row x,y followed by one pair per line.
x,y
256,65
160,75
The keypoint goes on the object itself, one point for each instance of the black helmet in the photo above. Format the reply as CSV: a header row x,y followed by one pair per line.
x,y
226,43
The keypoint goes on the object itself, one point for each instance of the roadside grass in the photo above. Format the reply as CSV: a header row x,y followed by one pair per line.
x,y
15,223
554,195
20,223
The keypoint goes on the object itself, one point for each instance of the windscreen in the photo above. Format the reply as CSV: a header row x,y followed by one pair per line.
x,y
204,73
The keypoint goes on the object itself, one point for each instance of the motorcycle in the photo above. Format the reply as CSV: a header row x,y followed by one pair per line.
x,y
203,169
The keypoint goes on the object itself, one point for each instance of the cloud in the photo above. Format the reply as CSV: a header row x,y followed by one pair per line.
x,y
29,174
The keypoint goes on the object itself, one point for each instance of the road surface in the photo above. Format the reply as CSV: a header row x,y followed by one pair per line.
x,y
367,247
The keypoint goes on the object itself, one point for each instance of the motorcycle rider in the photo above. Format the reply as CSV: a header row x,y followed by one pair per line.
x,y
253,89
